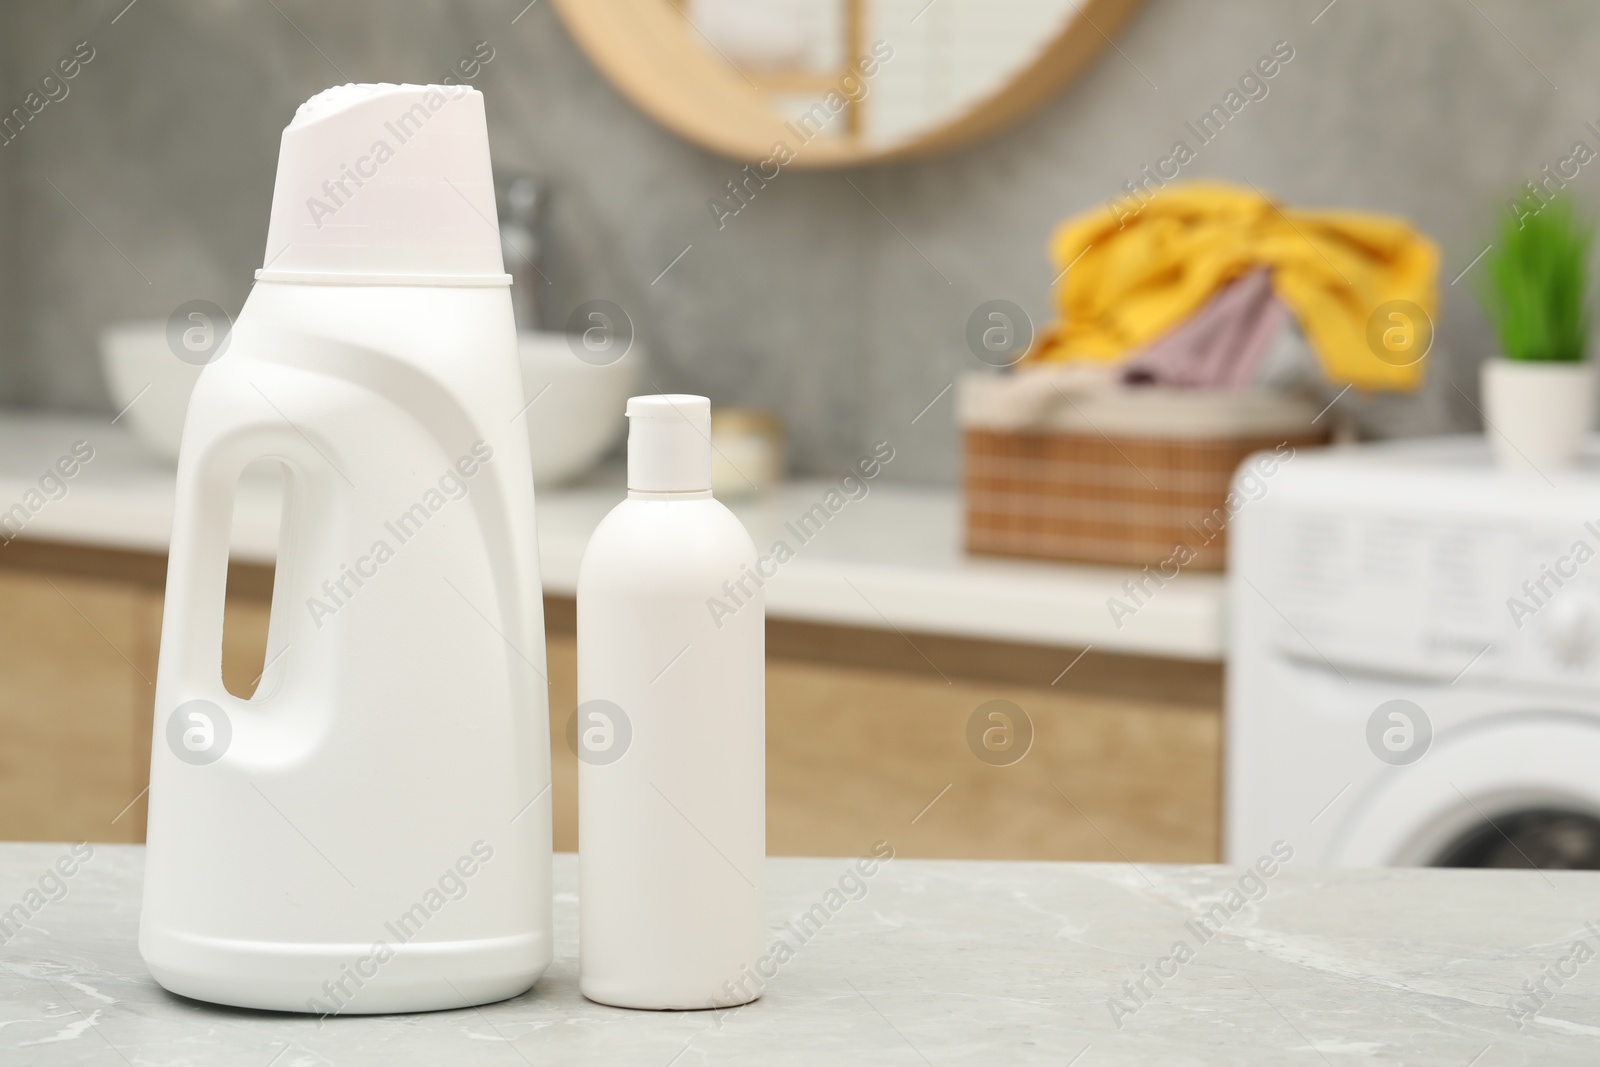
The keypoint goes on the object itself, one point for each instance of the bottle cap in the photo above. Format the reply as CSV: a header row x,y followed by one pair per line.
x,y
669,443
386,184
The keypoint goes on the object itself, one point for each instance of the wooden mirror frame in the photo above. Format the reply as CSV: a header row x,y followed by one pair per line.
x,y
649,52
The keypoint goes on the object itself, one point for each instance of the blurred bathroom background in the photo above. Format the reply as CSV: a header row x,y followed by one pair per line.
x,y
839,299
829,318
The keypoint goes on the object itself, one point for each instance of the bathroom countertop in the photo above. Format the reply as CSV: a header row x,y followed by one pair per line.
x,y
890,559
927,962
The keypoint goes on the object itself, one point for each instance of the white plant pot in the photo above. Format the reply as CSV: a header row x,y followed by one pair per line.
x,y
1538,414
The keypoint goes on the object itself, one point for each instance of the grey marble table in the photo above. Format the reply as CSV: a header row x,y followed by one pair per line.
x,y
927,963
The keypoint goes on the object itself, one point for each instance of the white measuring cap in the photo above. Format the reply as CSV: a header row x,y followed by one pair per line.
x,y
385,184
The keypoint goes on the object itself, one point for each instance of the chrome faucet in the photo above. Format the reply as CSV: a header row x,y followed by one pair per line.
x,y
522,203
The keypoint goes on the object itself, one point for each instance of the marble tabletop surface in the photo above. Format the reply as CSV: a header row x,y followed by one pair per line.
x,y
928,963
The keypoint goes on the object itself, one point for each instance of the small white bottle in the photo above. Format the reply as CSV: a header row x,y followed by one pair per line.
x,y
671,732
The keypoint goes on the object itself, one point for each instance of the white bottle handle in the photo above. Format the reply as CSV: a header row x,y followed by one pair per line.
x,y
208,479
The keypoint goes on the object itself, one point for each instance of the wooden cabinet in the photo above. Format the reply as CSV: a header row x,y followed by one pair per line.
x,y
80,630
77,660
868,740
868,732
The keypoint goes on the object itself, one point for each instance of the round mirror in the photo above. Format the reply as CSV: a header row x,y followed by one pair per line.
x,y
820,83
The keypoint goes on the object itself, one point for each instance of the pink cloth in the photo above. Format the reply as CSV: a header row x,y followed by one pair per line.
x,y
1221,346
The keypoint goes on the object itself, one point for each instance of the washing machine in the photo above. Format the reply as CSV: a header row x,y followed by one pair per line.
x,y
1414,659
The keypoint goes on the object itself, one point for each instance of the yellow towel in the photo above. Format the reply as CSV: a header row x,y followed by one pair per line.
x,y
1135,278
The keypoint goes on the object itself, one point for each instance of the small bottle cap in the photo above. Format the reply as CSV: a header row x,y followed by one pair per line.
x,y
669,443
385,184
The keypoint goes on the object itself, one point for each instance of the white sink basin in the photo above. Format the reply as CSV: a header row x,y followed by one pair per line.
x,y
577,410
141,371
575,417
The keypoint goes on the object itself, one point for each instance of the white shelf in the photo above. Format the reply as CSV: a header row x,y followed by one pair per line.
x,y
891,559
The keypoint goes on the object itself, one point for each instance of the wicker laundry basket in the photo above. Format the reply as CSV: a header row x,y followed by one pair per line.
x,y
1120,476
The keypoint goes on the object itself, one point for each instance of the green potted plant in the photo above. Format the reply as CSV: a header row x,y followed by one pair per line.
x,y
1538,393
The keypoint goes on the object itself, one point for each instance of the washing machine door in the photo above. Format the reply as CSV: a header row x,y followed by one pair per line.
x,y
1520,789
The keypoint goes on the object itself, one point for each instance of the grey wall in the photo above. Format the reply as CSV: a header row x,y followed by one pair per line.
x,y
809,301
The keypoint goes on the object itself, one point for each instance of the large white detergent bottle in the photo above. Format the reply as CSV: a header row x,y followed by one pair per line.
x,y
370,831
